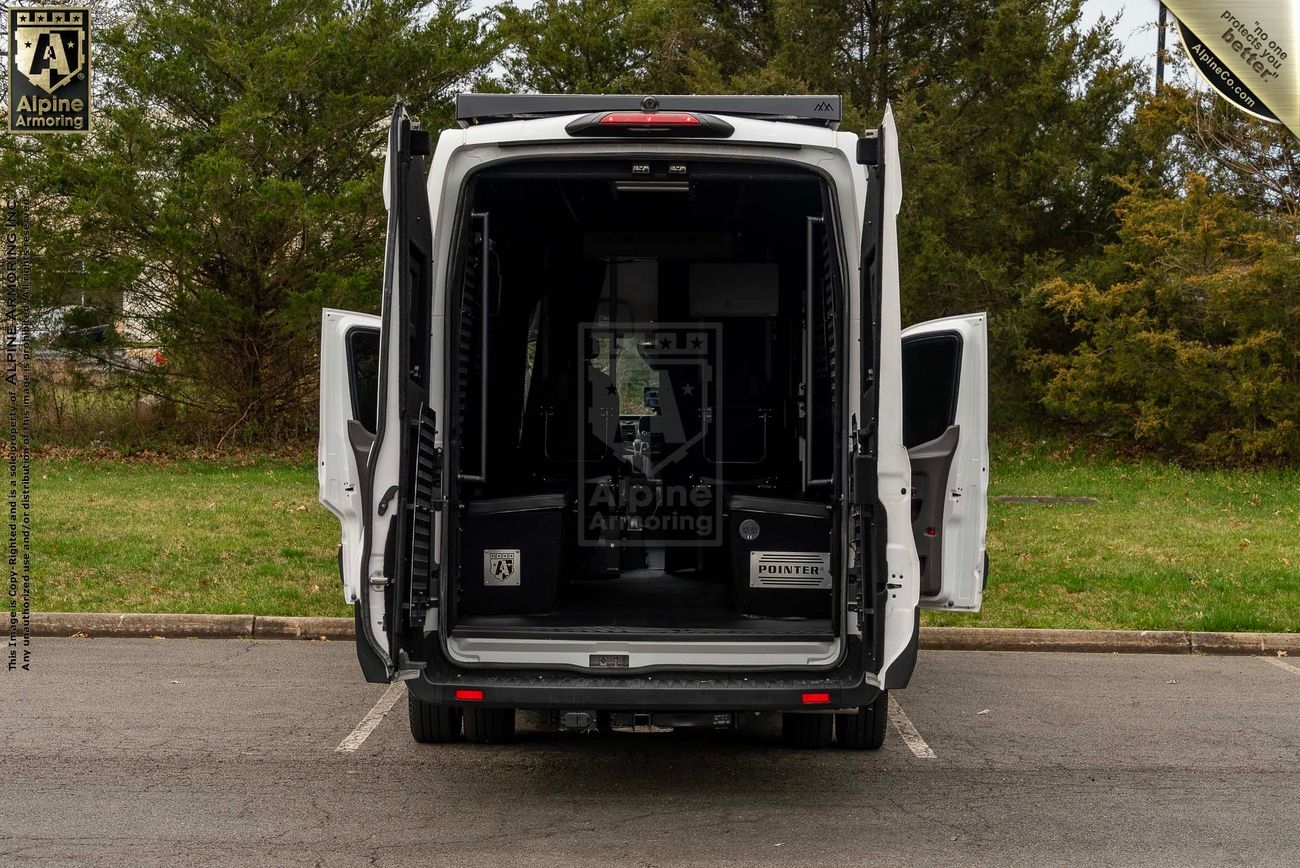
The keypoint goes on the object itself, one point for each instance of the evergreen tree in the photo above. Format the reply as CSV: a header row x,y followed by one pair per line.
x,y
1186,331
232,185
1012,115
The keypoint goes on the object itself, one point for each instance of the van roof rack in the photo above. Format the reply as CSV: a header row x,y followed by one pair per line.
x,y
486,108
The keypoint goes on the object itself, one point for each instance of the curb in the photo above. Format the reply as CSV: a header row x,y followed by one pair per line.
x,y
132,626
1024,639
1108,641
282,627
182,626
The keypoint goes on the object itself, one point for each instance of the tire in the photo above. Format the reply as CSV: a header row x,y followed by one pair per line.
x,y
807,731
432,724
489,725
865,729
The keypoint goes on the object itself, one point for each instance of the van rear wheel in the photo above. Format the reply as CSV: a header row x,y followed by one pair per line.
x,y
864,729
432,724
489,725
807,730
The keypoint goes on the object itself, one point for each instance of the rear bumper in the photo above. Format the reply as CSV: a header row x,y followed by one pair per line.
x,y
844,687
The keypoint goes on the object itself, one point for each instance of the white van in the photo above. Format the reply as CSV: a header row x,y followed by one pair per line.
x,y
638,438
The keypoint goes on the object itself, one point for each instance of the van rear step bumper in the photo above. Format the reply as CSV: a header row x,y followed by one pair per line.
x,y
755,629
665,691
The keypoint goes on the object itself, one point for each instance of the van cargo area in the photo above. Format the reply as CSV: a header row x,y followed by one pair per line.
x,y
644,402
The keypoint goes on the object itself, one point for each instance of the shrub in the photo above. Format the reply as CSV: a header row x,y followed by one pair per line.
x,y
1187,331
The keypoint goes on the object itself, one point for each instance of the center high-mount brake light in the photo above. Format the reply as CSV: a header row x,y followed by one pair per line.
x,y
656,119
642,124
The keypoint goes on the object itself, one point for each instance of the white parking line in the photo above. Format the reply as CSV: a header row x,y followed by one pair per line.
x,y
372,719
1278,661
908,732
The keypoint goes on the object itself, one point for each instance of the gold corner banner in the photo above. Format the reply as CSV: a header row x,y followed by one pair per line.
x,y
1248,51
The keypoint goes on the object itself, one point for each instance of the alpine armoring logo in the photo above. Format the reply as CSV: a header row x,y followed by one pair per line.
x,y
649,435
49,69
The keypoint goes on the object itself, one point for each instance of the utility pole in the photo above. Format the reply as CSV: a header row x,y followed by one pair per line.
x,y
1161,25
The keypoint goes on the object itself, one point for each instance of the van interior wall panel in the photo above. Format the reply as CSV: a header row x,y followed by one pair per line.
x,y
469,351
821,333
644,345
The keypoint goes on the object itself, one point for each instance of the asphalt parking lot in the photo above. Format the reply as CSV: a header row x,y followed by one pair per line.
x,y
225,752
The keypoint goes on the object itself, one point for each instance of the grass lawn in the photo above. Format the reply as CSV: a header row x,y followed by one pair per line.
x,y
182,536
1165,548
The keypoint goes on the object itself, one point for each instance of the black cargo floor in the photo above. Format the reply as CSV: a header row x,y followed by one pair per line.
x,y
644,603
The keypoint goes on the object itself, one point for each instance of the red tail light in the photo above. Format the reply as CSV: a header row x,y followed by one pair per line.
x,y
469,695
816,698
652,119
629,124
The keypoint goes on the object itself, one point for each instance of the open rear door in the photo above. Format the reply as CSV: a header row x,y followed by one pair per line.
x,y
405,477
383,481
349,383
945,429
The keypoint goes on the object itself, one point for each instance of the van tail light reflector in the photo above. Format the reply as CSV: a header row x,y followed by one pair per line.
x,y
658,119
642,124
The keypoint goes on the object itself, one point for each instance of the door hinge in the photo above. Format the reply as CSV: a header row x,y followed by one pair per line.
x,y
856,602
865,438
421,605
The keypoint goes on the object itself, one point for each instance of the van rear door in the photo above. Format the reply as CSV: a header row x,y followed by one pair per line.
x,y
945,429
404,476
377,461
349,383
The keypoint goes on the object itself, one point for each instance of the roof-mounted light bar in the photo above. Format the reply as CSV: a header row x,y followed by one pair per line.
x,y
483,108
650,123
670,119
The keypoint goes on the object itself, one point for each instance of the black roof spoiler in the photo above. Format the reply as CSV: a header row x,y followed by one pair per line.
x,y
486,108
